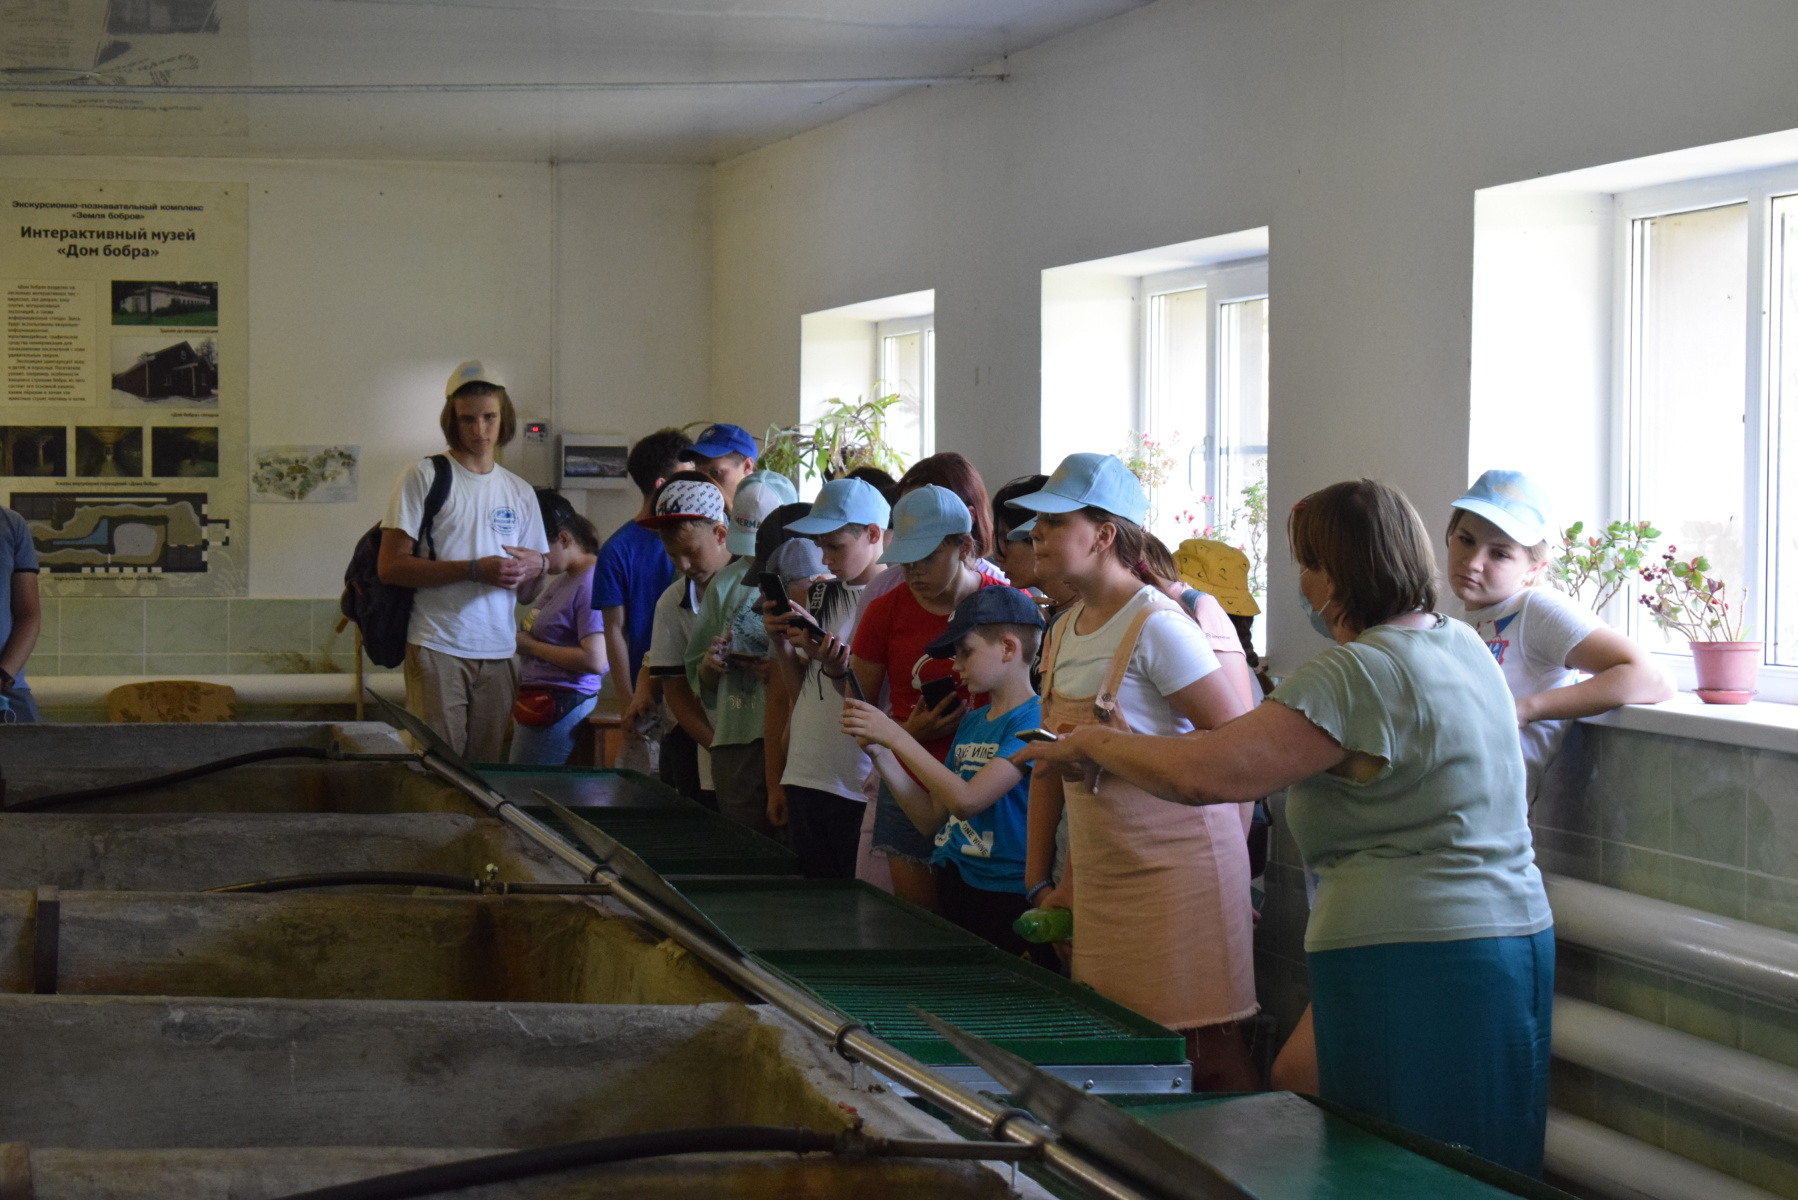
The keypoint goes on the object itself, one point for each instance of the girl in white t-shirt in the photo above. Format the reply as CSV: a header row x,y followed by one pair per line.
x,y
1159,893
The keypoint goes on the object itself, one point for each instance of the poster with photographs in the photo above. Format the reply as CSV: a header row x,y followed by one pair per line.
x,y
303,474
123,410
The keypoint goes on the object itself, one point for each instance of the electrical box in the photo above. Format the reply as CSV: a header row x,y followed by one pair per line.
x,y
536,433
592,460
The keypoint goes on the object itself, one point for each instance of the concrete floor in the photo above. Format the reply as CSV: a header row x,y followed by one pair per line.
x,y
254,1045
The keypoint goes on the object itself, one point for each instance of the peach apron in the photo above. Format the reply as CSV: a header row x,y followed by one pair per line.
x,y
1162,918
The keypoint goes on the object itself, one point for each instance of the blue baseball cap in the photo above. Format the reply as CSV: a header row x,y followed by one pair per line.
x,y
844,502
987,606
1090,480
1022,532
1513,502
718,440
760,493
922,519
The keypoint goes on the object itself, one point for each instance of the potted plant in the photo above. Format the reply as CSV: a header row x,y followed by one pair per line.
x,y
1603,562
845,437
1684,597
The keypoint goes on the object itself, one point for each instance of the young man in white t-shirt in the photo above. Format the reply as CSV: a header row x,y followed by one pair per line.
x,y
461,676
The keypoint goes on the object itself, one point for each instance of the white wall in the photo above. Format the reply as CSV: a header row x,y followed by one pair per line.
x,y
1357,132
587,287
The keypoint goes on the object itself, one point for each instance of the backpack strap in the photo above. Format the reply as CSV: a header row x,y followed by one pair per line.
x,y
434,501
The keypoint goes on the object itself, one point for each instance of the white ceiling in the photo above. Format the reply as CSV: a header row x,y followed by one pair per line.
x,y
578,80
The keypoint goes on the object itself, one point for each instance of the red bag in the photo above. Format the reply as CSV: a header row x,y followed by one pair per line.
x,y
535,707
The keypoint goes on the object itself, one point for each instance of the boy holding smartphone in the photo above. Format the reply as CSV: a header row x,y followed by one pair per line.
x,y
826,771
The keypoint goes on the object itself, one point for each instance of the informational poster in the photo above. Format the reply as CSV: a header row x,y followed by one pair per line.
x,y
123,384
96,53
303,474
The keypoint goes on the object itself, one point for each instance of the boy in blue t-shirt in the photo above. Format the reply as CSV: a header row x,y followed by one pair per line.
x,y
976,804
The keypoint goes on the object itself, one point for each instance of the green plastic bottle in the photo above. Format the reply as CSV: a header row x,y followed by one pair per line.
x,y
1045,925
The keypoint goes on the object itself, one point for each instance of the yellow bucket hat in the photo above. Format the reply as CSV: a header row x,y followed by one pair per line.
x,y
1222,570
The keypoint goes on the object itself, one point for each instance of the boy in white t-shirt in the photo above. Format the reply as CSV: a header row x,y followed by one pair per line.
x,y
1498,548
690,513
489,556
825,769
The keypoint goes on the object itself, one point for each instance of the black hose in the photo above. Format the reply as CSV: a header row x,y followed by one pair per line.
x,y
459,883
548,1160
58,799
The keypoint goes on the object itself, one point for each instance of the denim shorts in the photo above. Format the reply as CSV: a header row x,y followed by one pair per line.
x,y
895,835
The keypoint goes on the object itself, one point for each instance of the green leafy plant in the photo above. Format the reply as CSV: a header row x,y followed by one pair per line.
x,y
1150,459
1683,598
847,436
1603,563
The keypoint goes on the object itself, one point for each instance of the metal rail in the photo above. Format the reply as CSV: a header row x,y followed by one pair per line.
x,y
851,1039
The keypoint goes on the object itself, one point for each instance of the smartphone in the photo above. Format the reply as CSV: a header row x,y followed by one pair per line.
x,y
935,691
855,686
804,621
773,590
1038,735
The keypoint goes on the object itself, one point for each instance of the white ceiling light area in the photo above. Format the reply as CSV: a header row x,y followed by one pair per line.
x,y
679,81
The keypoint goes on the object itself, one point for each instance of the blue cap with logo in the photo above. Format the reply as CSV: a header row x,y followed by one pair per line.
x,y
844,502
760,493
987,606
1090,481
715,441
1514,503
922,519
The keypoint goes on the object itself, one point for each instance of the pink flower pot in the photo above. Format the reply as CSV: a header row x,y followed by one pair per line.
x,y
1726,671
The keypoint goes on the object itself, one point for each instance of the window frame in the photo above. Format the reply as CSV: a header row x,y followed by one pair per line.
x,y
1757,189
1224,283
925,326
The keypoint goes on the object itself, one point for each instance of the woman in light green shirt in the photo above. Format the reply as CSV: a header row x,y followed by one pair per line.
x,y
1430,948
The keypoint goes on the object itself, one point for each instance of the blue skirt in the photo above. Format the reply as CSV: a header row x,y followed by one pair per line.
x,y
1450,1039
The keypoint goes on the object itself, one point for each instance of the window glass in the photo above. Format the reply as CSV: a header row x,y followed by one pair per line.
x,y
1241,497
1688,418
907,368
1178,415
1781,617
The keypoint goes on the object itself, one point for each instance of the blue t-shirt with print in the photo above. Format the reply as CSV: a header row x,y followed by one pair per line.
x,y
988,848
16,554
632,574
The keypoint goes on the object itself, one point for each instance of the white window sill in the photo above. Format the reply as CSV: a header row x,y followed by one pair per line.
x,y
1759,725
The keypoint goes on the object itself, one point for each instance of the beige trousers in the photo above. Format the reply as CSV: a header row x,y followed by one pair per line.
x,y
466,701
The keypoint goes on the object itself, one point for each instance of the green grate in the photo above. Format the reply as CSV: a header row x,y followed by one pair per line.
x,y
820,914
685,841
581,787
1022,1008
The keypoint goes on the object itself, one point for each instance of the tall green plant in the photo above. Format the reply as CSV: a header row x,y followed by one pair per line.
x,y
845,437
1685,599
1602,563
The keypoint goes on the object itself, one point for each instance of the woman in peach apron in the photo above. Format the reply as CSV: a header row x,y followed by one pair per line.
x,y
1162,918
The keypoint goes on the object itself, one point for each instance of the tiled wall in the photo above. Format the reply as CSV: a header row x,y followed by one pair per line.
x,y
1710,826
184,637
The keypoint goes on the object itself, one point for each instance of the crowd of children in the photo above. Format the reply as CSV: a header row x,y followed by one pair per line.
x,y
872,675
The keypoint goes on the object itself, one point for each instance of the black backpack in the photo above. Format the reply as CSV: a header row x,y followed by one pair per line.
x,y
383,610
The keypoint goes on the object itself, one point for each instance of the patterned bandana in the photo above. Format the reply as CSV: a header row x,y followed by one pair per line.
x,y
689,500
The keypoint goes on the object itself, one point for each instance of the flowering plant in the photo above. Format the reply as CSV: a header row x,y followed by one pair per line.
x,y
1602,561
1149,459
1683,598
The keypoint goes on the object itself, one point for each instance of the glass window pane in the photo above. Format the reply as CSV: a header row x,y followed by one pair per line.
x,y
1690,405
902,363
1241,500
1177,421
1781,617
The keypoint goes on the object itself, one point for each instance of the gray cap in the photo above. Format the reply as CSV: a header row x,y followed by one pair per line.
x,y
797,561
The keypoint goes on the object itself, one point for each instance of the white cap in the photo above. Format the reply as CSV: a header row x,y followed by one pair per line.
x,y
470,372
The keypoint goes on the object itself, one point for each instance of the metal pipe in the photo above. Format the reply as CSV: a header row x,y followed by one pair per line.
x,y
80,86
1736,955
1622,1168
850,1038
1742,1086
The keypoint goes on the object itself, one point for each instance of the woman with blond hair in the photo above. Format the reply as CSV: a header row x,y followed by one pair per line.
x,y
1430,948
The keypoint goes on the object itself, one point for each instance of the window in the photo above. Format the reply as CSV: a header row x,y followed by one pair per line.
x,y
907,351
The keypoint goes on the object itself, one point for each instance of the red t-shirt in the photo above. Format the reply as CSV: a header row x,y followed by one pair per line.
x,y
893,632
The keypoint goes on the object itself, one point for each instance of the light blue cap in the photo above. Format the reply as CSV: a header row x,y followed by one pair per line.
x,y
1022,532
844,502
1513,502
922,519
760,493
1090,481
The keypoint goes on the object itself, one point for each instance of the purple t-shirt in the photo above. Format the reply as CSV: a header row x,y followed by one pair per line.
x,y
563,615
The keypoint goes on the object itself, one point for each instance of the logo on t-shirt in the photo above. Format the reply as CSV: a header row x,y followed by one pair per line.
x,y
973,842
504,521
1497,643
